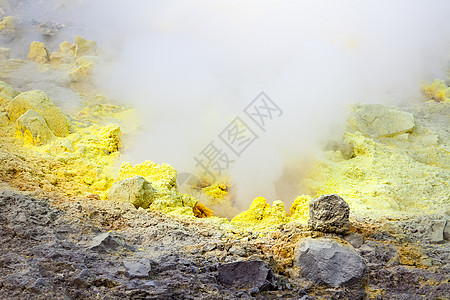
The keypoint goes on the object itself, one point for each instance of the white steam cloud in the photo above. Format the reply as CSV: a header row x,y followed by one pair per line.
x,y
191,67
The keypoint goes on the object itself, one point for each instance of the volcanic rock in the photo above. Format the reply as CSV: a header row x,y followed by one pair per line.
x,y
327,262
329,213
31,126
39,101
137,269
354,239
247,275
136,190
109,242
82,279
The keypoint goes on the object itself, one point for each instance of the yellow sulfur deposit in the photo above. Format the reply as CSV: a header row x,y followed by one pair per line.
x,y
67,48
39,101
438,91
164,178
216,192
65,55
218,199
83,68
300,209
8,22
261,216
84,46
161,176
8,26
7,93
32,128
38,53
395,175
89,155
201,211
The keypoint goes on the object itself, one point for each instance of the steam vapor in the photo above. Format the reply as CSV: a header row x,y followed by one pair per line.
x,y
191,67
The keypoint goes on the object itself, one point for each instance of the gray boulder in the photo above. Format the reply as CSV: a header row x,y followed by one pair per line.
x,y
109,242
254,275
354,239
436,231
137,269
136,190
329,213
327,262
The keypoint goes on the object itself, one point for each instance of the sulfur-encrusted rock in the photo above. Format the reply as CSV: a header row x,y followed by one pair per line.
x,y
327,262
261,215
259,209
329,213
39,101
84,46
8,27
376,120
65,54
83,68
4,121
56,58
33,129
38,53
439,91
5,53
110,136
135,190
162,176
300,209
201,211
67,48
7,93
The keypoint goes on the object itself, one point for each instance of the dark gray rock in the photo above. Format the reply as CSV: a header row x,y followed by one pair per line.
x,y
109,242
329,213
327,262
355,239
38,285
247,275
82,279
137,269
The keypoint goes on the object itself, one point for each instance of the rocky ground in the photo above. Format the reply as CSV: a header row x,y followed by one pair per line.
x,y
91,249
